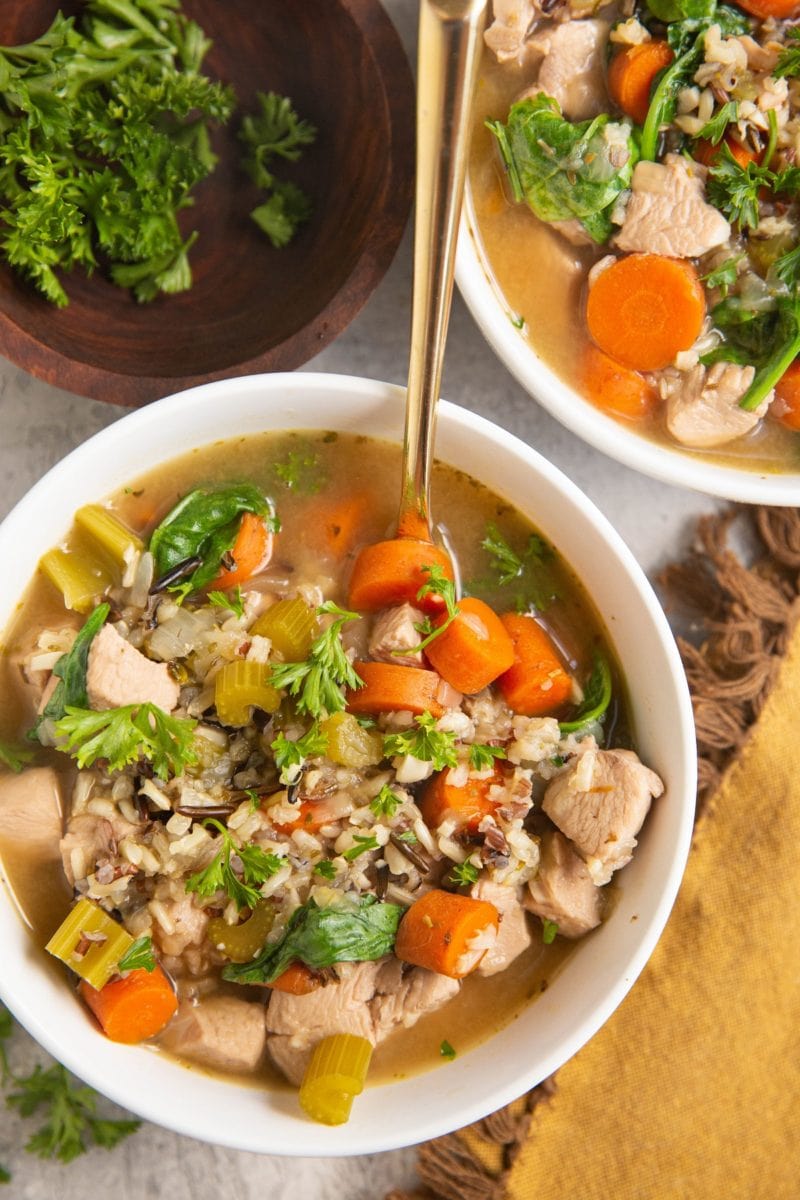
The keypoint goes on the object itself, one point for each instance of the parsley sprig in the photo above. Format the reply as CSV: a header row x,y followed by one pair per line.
x,y
425,742
122,736
233,603
219,876
291,755
139,957
481,756
526,569
15,757
317,684
464,874
276,131
386,803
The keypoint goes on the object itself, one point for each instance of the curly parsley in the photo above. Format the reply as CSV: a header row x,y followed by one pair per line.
x,y
122,736
317,684
257,866
426,742
291,755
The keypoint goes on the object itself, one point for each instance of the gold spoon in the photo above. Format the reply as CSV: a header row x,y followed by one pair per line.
x,y
447,66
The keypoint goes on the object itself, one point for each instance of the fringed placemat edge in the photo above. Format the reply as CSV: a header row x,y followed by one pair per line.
x,y
743,616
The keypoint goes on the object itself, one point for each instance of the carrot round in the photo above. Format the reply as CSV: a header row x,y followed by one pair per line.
x,y
133,1008
537,683
251,552
614,388
297,980
707,153
443,931
468,803
631,73
645,308
474,648
336,525
391,688
787,390
780,9
388,573
310,816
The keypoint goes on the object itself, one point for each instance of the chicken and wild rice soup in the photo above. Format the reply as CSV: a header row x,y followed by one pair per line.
x,y
292,798
635,186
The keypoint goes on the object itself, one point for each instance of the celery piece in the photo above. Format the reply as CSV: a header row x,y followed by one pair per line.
x,y
79,576
240,686
79,945
290,625
334,1076
242,942
349,744
106,533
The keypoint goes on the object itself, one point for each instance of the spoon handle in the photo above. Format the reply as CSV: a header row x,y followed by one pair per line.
x,y
447,65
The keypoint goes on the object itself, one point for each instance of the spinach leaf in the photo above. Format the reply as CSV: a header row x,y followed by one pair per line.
x,y
70,692
564,170
681,10
359,931
596,698
204,525
786,343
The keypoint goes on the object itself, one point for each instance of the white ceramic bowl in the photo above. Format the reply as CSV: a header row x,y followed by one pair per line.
x,y
584,419
598,974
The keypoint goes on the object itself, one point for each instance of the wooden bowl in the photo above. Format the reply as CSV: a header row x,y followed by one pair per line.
x,y
251,308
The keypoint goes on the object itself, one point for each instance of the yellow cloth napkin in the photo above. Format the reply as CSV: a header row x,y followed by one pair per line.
x,y
692,1089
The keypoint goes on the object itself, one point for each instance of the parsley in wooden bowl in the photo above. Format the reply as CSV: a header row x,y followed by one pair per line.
x,y
191,191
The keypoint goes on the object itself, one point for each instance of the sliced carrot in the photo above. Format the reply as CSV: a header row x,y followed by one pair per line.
x,y
391,688
787,390
707,153
474,648
297,980
251,552
614,388
133,1008
645,308
442,932
388,573
780,9
336,525
537,684
311,815
631,74
468,803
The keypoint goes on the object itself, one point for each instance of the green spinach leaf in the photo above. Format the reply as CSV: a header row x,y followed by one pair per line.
x,y
353,931
596,698
566,171
70,691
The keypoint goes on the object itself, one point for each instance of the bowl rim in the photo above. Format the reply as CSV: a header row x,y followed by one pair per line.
x,y
379,247
145,1082
683,469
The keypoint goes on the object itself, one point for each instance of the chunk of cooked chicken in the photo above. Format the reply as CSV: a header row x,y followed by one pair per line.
x,y
369,1000
599,801
395,630
118,674
513,934
703,405
506,36
668,213
222,1032
573,70
563,890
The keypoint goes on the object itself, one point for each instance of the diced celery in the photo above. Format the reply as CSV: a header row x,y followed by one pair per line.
x,y
290,625
106,533
335,1074
78,944
349,744
242,942
80,576
240,686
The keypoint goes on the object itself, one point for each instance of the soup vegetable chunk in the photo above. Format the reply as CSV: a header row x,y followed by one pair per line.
x,y
656,143
314,792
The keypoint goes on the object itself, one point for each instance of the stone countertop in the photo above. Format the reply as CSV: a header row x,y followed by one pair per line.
x,y
39,424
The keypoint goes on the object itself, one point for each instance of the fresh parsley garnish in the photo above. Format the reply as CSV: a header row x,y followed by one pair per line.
x,y
408,836
714,130
724,276
386,803
326,869
481,756
789,58
234,603
437,585
464,874
276,131
139,957
549,931
425,742
447,1051
219,876
317,684
527,569
299,471
122,736
363,843
734,189
291,755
